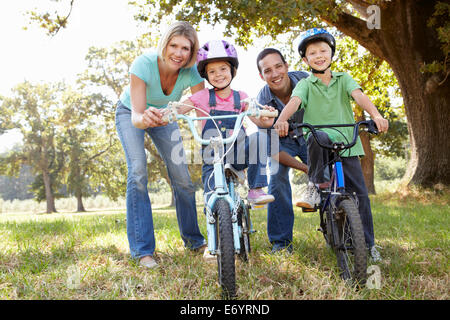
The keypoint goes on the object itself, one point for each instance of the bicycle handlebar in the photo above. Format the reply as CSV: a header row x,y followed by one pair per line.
x,y
170,115
370,125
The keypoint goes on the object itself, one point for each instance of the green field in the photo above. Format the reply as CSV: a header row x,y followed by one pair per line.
x,y
69,255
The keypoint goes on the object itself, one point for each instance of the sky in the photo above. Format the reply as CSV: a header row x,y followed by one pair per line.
x,y
33,56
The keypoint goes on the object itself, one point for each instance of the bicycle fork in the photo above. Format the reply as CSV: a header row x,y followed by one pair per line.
x,y
221,191
329,204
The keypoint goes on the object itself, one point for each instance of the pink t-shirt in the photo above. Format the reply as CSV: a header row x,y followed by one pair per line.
x,y
201,100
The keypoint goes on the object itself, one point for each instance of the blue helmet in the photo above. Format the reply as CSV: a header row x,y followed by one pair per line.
x,y
316,34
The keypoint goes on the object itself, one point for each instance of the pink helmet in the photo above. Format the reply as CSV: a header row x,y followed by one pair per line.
x,y
216,50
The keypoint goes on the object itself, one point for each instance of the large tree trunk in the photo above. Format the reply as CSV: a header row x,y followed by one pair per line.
x,y
409,44
80,206
48,192
406,43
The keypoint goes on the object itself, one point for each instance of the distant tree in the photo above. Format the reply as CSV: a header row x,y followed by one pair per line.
x,y
33,110
83,136
17,187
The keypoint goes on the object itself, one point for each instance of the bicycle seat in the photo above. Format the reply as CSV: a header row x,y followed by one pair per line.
x,y
239,175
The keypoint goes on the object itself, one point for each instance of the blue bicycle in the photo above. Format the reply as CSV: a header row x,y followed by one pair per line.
x,y
228,220
340,222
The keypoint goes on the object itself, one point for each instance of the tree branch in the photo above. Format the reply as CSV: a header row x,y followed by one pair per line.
x,y
360,6
357,29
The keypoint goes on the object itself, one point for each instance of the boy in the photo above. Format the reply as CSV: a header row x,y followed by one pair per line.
x,y
325,96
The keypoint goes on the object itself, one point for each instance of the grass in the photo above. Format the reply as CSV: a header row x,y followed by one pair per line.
x,y
85,256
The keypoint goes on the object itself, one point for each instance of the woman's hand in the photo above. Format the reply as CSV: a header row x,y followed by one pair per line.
x,y
152,117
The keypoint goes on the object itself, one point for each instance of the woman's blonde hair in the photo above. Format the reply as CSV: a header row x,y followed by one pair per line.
x,y
180,28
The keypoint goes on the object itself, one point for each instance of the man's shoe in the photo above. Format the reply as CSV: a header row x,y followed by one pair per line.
x,y
277,248
374,254
310,199
148,262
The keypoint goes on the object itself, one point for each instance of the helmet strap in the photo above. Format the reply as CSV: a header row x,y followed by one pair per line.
x,y
218,89
318,71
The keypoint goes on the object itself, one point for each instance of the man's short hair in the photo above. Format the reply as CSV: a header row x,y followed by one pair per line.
x,y
266,52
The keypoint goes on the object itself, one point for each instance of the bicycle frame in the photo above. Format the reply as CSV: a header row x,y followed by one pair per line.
x,y
222,190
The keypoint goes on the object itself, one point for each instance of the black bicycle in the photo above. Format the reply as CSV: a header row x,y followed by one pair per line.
x,y
340,221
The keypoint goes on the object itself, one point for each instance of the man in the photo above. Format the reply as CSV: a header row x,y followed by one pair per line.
x,y
274,70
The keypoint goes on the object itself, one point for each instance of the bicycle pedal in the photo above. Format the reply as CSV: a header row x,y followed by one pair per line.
x,y
258,206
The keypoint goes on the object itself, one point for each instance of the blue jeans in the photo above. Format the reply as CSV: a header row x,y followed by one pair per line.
x,y
280,213
168,142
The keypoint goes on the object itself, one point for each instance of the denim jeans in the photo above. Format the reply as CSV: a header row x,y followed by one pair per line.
x,y
280,213
168,142
253,157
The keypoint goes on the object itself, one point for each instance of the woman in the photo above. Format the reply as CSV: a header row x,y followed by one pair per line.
x,y
156,79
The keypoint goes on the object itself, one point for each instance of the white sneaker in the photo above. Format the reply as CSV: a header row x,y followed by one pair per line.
x,y
148,262
311,197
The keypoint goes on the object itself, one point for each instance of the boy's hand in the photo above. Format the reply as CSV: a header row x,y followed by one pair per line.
x,y
382,124
282,127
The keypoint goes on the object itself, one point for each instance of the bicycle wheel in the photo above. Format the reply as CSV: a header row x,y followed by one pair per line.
x,y
325,227
350,250
244,223
225,258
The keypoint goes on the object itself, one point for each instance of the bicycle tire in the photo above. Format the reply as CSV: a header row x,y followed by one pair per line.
x,y
244,238
325,228
350,250
225,258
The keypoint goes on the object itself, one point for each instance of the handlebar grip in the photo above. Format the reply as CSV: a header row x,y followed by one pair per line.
x,y
267,113
372,127
167,117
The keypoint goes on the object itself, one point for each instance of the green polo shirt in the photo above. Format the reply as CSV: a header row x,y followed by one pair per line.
x,y
330,105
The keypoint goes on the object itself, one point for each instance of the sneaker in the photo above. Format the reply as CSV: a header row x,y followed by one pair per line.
x,y
375,254
148,262
258,196
278,248
310,199
207,256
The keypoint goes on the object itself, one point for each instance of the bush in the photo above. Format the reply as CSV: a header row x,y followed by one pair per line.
x,y
389,168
